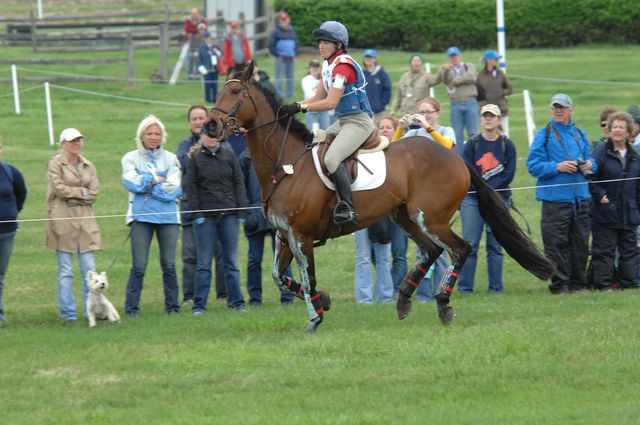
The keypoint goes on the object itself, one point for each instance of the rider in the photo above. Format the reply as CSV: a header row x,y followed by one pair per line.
x,y
342,89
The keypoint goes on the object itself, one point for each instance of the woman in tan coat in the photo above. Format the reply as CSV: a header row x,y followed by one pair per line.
x,y
72,228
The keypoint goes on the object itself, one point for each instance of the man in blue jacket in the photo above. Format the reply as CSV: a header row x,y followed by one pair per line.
x,y
283,44
560,158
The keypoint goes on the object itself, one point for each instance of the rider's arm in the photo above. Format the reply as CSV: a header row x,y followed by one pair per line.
x,y
330,100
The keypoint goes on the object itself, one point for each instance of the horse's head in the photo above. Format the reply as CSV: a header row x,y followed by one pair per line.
x,y
234,108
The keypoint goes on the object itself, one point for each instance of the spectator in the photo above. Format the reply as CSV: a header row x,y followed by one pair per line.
x,y
261,76
378,86
634,111
283,45
151,175
197,115
614,210
494,157
256,228
388,126
314,120
604,115
493,84
425,123
190,27
193,59
413,86
236,50
428,126
209,60
376,238
460,78
215,190
73,188
560,159
13,193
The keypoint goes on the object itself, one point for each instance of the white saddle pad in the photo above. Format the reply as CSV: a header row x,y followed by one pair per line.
x,y
375,162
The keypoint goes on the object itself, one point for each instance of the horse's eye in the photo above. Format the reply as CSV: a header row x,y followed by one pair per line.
x,y
235,91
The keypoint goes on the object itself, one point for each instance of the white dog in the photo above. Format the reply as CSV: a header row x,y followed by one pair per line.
x,y
98,306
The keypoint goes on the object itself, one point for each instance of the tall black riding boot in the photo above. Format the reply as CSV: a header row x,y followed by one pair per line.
x,y
344,213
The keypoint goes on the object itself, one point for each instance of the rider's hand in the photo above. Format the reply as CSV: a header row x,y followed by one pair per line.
x,y
289,110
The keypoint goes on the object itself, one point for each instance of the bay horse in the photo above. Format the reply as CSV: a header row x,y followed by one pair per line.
x,y
424,186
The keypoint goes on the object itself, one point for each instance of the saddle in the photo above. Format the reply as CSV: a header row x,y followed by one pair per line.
x,y
373,143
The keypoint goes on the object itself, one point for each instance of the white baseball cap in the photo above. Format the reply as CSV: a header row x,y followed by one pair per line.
x,y
69,134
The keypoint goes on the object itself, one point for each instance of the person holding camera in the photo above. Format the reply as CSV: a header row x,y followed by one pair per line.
x,y
425,123
614,210
560,158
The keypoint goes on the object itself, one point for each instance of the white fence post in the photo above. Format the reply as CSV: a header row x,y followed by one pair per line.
x,y
47,98
528,113
16,92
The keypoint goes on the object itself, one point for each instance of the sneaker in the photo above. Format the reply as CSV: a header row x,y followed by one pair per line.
x,y
241,309
68,322
187,302
132,314
196,312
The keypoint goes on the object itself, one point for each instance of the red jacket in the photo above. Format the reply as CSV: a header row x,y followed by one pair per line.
x,y
228,51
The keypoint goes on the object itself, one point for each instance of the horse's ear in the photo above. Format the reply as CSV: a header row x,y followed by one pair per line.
x,y
248,72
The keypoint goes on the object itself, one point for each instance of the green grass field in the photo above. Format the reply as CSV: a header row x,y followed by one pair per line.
x,y
524,357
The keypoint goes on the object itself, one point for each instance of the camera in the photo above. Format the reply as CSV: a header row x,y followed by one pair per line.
x,y
582,167
414,119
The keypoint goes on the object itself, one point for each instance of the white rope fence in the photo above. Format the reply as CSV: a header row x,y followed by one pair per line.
x,y
222,210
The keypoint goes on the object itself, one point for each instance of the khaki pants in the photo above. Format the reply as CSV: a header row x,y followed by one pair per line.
x,y
351,131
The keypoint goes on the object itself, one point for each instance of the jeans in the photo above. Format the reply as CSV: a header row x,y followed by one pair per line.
x,y
66,300
225,229
314,120
472,226
141,235
464,113
189,265
399,245
254,268
284,70
6,248
427,289
210,87
363,277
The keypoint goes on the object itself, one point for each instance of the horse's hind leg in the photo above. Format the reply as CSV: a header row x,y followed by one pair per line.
x,y
430,252
458,250
283,258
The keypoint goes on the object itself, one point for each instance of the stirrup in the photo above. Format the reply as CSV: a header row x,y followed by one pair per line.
x,y
344,213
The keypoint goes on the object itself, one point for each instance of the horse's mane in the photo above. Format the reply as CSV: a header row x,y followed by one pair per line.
x,y
296,127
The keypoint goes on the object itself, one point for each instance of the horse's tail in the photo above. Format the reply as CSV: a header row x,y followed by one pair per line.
x,y
506,230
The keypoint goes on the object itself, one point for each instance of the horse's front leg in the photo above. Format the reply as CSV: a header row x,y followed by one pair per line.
x,y
302,249
283,258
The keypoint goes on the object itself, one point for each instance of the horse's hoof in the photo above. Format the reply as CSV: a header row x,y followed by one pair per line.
x,y
325,300
446,314
403,306
312,327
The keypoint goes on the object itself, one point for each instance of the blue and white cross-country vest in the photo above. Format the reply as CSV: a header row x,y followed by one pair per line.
x,y
354,100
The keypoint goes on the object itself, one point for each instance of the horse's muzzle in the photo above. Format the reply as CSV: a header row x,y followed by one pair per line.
x,y
213,129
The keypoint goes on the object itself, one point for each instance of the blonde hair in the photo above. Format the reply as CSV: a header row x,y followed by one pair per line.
x,y
145,124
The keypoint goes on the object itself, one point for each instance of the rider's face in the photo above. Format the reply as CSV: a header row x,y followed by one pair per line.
x,y
327,48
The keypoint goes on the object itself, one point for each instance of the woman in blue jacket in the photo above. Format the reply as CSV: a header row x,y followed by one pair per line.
x,y
151,175
614,209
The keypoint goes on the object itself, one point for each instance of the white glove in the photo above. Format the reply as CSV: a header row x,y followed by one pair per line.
x,y
202,70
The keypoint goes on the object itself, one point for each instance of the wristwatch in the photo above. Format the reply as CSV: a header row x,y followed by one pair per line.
x,y
304,107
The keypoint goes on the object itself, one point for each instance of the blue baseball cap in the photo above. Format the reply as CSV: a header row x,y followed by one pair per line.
x,y
562,100
370,53
453,50
207,34
491,54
